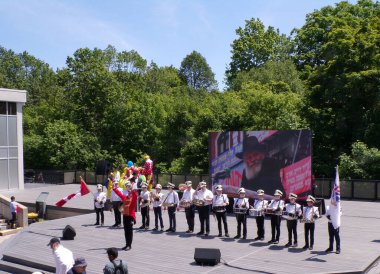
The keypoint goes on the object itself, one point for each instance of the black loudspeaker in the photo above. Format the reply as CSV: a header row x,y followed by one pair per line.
x,y
68,233
102,167
207,256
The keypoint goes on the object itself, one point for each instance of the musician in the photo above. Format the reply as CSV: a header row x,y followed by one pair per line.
x,y
206,196
157,199
171,202
219,203
241,218
100,198
144,206
276,206
116,203
293,210
260,204
187,196
333,233
310,213
129,215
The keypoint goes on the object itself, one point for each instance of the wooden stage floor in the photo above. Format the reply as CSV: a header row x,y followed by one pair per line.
x,y
161,252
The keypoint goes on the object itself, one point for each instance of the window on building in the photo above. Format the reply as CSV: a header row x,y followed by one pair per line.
x,y
12,110
3,108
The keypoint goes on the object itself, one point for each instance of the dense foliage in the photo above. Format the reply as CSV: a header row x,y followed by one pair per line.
x,y
113,105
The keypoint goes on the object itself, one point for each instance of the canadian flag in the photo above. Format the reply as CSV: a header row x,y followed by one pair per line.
x,y
81,192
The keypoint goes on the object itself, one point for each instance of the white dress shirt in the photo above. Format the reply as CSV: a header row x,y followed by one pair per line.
x,y
159,202
188,195
276,204
241,202
172,198
207,194
260,204
145,195
64,260
293,208
220,200
309,212
100,197
114,197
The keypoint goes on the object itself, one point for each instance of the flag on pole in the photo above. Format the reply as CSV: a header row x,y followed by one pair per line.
x,y
335,202
81,192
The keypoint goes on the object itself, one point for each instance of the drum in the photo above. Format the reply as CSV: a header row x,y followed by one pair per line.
x,y
198,202
306,221
289,216
271,211
184,204
168,204
238,210
219,209
255,212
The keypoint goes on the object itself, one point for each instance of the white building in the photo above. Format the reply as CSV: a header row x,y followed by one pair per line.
x,y
11,139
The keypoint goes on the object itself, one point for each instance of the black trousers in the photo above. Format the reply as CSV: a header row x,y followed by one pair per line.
x,y
275,222
241,220
204,217
334,233
260,226
172,219
128,222
292,230
99,213
222,216
13,221
190,215
115,206
158,216
309,230
145,216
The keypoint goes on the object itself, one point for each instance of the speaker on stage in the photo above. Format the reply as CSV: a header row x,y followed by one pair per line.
x,y
208,256
68,233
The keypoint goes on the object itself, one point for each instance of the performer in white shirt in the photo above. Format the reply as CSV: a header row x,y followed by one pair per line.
x,y
242,204
310,214
64,259
116,203
333,233
260,204
205,195
171,202
276,206
187,198
157,199
293,210
219,203
100,198
144,206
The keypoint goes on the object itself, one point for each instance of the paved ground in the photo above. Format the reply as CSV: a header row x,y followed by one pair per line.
x,y
174,252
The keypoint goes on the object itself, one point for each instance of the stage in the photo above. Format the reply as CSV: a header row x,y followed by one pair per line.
x,y
161,252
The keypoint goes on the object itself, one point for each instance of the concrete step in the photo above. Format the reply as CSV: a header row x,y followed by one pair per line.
x,y
10,267
10,231
26,262
2,221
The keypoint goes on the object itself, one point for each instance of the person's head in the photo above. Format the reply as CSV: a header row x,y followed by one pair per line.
x,y
310,200
170,187
80,265
292,198
219,189
144,186
189,185
99,187
128,185
158,188
13,198
203,185
54,243
277,194
112,253
252,154
241,192
260,194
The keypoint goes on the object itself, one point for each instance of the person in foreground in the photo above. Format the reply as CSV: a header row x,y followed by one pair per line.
x,y
115,265
64,259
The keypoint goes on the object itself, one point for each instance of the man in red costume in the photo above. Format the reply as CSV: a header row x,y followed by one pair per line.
x,y
129,199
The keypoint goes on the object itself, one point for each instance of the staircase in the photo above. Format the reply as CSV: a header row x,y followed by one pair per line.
x,y
5,228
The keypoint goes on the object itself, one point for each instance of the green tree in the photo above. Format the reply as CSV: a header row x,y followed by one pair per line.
x,y
196,72
256,45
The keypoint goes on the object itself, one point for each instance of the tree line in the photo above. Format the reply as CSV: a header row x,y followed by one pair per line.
x,y
106,104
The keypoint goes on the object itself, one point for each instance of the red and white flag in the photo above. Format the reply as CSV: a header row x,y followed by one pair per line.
x,y
81,192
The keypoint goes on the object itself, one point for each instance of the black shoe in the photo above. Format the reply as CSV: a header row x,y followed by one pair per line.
x,y
168,230
188,231
142,227
220,235
237,237
96,224
311,248
262,239
305,247
162,229
115,225
244,237
155,229
295,244
173,230
147,227
227,235
200,233
271,241
125,247
102,224
275,242
338,251
288,244
206,234
328,250
256,239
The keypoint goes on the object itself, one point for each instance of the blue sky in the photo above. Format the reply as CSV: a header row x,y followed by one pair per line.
x,y
164,31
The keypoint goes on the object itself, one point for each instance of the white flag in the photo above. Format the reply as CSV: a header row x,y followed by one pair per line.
x,y
335,202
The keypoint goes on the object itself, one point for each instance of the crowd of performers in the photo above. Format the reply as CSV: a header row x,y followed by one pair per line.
x,y
126,197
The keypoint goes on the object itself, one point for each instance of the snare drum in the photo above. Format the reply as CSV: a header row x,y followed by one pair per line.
x,y
168,204
306,221
238,210
198,202
289,216
255,212
271,211
219,209
184,204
